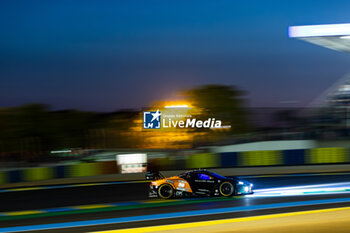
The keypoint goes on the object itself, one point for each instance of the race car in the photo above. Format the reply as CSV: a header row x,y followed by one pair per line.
x,y
196,183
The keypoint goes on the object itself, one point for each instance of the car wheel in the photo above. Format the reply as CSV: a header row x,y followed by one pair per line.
x,y
165,191
226,189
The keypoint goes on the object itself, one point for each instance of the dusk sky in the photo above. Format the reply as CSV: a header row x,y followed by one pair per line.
x,y
109,55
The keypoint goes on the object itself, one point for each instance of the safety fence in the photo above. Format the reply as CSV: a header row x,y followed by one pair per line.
x,y
55,172
333,155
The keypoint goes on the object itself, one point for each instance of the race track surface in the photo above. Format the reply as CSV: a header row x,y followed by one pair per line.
x,y
121,205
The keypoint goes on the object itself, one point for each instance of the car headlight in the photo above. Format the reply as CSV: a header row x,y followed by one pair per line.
x,y
246,189
240,182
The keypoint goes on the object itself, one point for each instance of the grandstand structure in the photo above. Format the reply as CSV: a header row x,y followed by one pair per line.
x,y
332,36
335,37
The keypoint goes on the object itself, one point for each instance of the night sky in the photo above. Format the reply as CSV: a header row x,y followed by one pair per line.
x,y
108,55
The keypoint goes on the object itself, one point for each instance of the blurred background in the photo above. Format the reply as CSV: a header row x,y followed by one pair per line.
x,y
77,77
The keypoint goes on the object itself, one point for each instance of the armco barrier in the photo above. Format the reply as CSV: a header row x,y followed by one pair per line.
x,y
229,159
15,176
84,169
178,163
327,155
3,178
294,157
334,155
202,160
62,171
39,173
260,158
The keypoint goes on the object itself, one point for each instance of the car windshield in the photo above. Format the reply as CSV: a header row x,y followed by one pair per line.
x,y
217,175
183,175
202,176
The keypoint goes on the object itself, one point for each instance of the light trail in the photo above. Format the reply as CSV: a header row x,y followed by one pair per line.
x,y
330,188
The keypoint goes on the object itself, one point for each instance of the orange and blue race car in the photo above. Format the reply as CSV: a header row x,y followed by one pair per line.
x,y
196,183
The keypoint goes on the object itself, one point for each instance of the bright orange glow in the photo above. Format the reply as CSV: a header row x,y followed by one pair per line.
x,y
167,138
177,106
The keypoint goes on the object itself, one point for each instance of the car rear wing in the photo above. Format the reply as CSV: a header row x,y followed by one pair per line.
x,y
153,175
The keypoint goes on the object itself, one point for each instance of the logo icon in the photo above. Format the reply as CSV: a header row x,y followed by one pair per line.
x,y
151,120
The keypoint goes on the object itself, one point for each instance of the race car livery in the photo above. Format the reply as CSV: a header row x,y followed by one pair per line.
x,y
196,183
